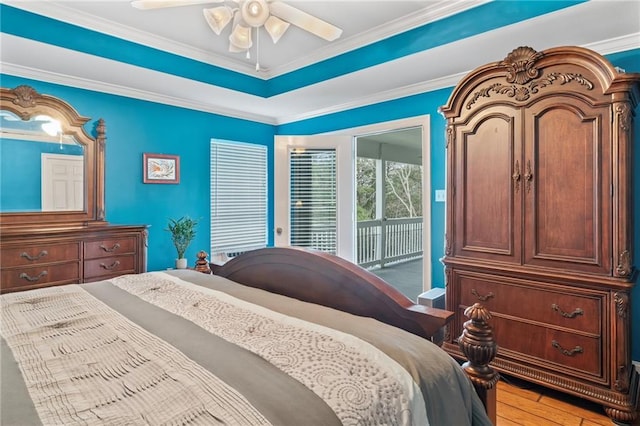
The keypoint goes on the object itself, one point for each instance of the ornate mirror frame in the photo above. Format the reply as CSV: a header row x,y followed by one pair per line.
x,y
26,103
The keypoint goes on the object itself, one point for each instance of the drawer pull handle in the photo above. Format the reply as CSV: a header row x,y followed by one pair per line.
x,y
482,298
115,247
572,352
573,314
110,267
26,255
26,276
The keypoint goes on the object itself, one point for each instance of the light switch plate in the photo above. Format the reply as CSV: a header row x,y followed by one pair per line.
x,y
441,195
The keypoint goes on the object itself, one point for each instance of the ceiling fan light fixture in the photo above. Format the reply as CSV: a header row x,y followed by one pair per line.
x,y
275,15
255,12
240,38
218,17
276,27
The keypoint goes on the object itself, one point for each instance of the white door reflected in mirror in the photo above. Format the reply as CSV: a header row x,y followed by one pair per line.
x,y
62,182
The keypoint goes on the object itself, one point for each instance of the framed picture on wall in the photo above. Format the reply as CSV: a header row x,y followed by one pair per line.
x,y
160,168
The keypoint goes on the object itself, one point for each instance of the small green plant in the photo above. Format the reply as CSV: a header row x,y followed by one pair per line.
x,y
183,231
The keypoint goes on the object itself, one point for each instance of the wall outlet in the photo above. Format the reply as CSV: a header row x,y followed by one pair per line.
x,y
441,195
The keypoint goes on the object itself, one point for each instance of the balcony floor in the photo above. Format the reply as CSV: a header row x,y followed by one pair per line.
x,y
405,276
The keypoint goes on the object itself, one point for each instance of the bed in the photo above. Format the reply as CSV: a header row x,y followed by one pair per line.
x,y
273,337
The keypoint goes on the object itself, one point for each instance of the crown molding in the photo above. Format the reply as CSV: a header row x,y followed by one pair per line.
x,y
72,16
605,47
433,12
615,45
112,89
389,95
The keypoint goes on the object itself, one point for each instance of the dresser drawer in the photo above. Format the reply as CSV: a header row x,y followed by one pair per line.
x,y
109,247
108,267
561,307
37,254
553,349
62,273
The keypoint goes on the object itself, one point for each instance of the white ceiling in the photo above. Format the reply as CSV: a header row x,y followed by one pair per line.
x,y
605,26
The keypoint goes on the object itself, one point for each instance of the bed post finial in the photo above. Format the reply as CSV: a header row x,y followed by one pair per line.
x,y
478,346
202,264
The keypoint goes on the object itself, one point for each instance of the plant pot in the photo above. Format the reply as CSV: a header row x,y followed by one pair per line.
x,y
181,263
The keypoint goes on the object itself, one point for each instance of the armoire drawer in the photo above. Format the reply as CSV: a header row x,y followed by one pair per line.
x,y
45,253
39,275
554,349
109,266
109,247
562,307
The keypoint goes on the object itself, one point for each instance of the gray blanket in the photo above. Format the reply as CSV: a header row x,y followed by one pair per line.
x,y
281,398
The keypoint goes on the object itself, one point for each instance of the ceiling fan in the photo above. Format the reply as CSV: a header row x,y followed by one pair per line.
x,y
275,16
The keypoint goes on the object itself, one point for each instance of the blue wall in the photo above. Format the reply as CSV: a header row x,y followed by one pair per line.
x,y
135,126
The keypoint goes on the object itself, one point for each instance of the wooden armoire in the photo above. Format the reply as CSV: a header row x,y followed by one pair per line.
x,y
539,221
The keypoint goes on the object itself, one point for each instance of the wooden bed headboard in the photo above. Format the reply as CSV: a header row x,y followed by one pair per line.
x,y
331,281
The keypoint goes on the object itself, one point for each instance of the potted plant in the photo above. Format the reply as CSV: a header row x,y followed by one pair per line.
x,y
183,231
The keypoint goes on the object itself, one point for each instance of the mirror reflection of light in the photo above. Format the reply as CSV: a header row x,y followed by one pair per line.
x,y
51,126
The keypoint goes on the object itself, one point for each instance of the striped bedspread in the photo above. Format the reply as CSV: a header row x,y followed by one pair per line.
x,y
182,347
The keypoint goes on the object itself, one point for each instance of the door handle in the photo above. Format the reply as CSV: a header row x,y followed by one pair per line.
x,y
279,231
516,176
528,176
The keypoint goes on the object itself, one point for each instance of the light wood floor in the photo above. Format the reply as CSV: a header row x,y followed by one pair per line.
x,y
523,403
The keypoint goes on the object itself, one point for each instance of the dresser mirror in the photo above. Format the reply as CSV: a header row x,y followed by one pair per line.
x,y
51,167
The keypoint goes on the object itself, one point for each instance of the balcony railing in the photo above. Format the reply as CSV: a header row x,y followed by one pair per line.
x,y
388,241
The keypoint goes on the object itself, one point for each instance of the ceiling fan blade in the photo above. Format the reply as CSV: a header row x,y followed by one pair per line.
x,y
305,21
159,4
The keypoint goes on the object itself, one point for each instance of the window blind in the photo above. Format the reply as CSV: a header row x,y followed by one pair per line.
x,y
238,197
313,199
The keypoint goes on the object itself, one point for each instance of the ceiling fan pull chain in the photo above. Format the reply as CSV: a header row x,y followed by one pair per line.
x,y
257,49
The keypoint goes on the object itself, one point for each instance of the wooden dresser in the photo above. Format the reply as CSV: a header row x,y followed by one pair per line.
x,y
39,258
539,221
66,239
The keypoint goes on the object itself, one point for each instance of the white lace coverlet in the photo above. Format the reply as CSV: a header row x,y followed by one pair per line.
x,y
361,384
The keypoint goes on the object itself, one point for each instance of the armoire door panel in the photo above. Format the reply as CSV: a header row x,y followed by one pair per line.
x,y
563,169
486,208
